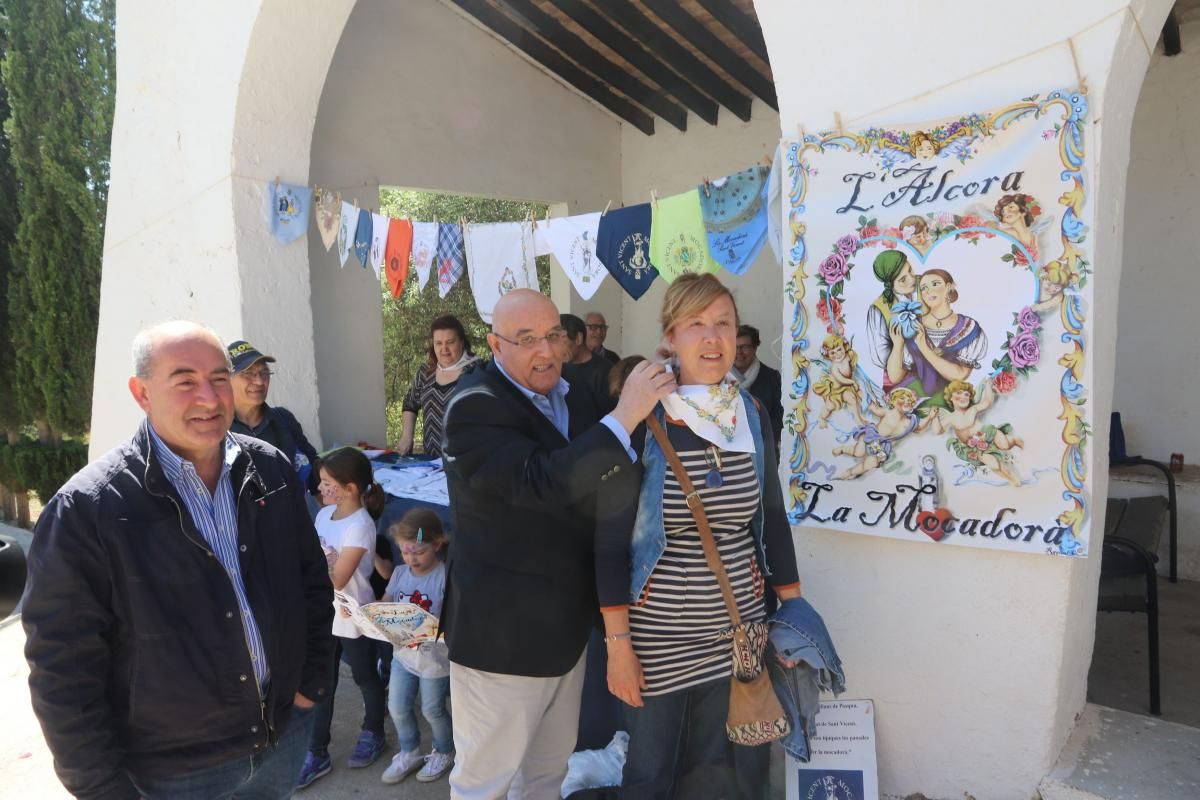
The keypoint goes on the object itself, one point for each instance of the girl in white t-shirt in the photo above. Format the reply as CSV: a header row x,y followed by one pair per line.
x,y
421,580
346,527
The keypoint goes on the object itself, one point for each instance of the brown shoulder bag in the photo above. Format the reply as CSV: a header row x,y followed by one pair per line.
x,y
755,714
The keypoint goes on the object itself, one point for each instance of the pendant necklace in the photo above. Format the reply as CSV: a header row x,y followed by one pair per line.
x,y
943,319
712,457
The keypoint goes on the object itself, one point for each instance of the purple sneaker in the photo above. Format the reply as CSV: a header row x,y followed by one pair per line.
x,y
315,766
367,751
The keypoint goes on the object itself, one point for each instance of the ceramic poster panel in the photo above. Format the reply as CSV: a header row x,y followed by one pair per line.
x,y
938,293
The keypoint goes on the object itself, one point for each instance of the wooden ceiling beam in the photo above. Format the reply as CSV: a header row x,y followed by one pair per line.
x,y
740,24
548,57
707,42
583,54
597,25
655,39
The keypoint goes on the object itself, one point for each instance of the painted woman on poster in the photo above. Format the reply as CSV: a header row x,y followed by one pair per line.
x,y
921,343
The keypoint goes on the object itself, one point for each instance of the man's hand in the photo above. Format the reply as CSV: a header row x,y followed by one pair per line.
x,y
647,384
301,702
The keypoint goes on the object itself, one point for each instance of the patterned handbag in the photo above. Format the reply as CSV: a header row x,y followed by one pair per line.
x,y
755,714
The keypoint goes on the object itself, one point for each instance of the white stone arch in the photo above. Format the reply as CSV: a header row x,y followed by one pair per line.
x,y
978,664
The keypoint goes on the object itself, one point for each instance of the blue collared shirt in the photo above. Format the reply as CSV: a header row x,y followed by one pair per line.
x,y
554,408
215,515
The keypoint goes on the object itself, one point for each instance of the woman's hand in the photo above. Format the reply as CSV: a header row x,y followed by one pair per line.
x,y
405,446
896,336
625,678
345,614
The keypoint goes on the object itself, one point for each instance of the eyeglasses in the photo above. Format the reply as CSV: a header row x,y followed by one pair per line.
x,y
553,338
596,327
263,375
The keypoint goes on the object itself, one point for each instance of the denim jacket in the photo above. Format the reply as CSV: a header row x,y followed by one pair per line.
x,y
799,634
649,533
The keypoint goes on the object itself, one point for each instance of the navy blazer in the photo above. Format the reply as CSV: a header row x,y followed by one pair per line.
x,y
521,592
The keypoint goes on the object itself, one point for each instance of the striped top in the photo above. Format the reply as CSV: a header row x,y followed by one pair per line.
x,y
216,518
680,625
431,397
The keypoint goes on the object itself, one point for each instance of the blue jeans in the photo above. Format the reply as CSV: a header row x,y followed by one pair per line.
x,y
402,692
269,775
360,654
678,747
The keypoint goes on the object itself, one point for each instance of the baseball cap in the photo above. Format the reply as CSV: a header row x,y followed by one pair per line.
x,y
243,354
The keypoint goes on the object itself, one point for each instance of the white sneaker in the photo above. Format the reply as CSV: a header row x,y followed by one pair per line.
x,y
436,765
403,764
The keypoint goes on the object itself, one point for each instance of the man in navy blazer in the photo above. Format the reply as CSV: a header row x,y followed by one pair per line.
x,y
523,461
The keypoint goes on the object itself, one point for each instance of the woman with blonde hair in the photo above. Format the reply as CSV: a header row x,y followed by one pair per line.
x,y
666,623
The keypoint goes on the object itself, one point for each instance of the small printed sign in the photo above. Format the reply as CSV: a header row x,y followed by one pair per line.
x,y
843,764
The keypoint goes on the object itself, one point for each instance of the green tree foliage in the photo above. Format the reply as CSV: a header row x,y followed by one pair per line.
x,y
10,420
406,319
59,72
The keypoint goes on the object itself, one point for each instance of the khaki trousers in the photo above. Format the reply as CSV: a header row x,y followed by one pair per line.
x,y
512,734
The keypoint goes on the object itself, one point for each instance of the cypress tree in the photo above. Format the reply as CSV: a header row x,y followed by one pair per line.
x,y
10,420
59,71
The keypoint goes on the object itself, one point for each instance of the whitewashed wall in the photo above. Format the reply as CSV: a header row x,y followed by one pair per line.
x,y
419,96
1158,363
977,661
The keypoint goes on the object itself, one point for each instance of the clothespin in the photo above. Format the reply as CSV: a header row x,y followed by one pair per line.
x,y
654,198
706,184
607,206
547,215
837,121
356,204
276,181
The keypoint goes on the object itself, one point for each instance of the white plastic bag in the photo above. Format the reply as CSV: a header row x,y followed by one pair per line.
x,y
595,769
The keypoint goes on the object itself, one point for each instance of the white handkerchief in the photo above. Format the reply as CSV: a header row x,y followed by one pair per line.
x,y
424,247
499,259
572,241
346,228
714,413
379,234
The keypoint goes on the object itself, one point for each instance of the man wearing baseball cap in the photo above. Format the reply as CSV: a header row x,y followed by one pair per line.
x,y
272,424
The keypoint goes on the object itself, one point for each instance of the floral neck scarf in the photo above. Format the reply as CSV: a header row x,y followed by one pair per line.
x,y
715,413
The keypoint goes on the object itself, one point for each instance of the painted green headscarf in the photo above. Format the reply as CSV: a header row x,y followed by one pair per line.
x,y
887,266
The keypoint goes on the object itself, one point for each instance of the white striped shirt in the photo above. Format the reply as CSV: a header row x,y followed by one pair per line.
x,y
216,518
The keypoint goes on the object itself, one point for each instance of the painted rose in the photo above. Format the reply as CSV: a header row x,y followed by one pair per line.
x,y
1004,383
1023,350
1028,319
833,268
847,245
867,231
823,307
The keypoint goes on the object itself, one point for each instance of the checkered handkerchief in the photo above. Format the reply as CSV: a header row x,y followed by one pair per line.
x,y
451,257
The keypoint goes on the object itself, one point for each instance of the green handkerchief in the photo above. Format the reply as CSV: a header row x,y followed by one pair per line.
x,y
678,242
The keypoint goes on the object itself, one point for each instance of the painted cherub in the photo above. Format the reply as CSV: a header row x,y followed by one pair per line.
x,y
977,444
873,441
1053,279
838,387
